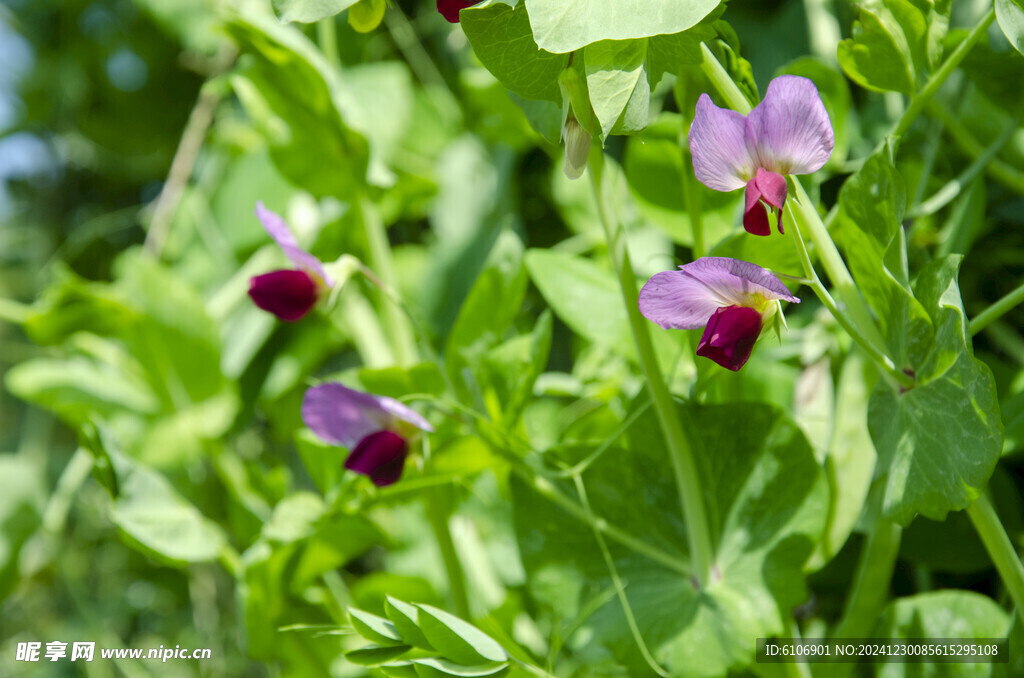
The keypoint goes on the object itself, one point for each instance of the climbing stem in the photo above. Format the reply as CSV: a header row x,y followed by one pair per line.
x,y
720,78
926,94
396,323
999,547
438,504
870,589
683,467
997,310
877,355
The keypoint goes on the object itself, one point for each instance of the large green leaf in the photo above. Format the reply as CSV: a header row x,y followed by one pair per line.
x,y
941,614
895,43
938,442
766,499
1010,15
309,11
292,89
156,519
503,41
617,81
565,25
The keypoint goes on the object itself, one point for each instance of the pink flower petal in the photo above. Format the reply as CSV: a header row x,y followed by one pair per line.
x,y
721,159
282,235
772,187
730,336
343,416
381,456
790,131
686,298
287,294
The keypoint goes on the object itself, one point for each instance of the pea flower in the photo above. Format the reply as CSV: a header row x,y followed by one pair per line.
x,y
789,132
729,298
374,428
289,293
450,8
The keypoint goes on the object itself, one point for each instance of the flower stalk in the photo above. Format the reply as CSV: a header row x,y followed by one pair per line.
x,y
683,466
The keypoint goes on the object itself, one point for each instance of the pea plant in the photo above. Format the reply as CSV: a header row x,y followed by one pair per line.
x,y
547,337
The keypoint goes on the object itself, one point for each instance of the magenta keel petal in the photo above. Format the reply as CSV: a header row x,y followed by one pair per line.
x,y
381,456
730,336
755,216
287,294
282,235
450,9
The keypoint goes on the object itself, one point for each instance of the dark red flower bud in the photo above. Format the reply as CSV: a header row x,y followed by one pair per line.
x,y
730,336
450,8
288,294
381,456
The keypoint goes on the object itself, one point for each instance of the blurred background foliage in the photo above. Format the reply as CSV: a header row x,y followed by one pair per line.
x,y
210,519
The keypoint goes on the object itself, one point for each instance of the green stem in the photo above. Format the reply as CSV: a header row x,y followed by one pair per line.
x,y
999,547
620,587
691,194
870,590
720,78
438,502
14,312
1002,172
401,335
803,213
871,586
918,103
327,36
952,189
997,310
869,347
683,466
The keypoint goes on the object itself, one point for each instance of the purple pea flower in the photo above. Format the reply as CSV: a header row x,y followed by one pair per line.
x,y
789,132
374,428
450,8
729,298
289,293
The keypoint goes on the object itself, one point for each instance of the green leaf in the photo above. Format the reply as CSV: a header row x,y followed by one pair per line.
x,y
938,442
405,617
565,25
585,297
309,11
374,628
619,90
458,640
77,389
877,57
942,614
489,309
293,86
375,655
503,41
895,44
1010,15
294,518
157,520
434,667
767,501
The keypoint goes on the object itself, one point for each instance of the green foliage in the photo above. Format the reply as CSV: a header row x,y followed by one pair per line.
x,y
766,496
895,44
455,647
1010,15
308,11
561,27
